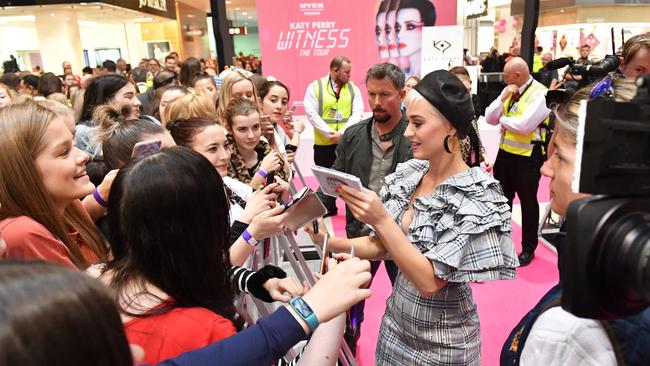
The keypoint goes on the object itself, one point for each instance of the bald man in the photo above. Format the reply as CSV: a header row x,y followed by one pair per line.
x,y
521,112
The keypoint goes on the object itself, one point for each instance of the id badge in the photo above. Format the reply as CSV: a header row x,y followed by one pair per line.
x,y
515,108
333,113
339,116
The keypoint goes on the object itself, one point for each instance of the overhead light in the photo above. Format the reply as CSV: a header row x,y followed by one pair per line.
x,y
52,15
88,24
191,15
18,18
244,13
250,17
67,19
143,19
228,2
236,8
83,4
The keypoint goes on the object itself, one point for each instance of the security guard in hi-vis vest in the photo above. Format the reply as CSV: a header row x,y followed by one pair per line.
x,y
332,103
521,112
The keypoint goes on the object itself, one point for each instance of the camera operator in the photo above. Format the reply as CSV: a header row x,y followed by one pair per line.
x,y
636,56
549,335
573,81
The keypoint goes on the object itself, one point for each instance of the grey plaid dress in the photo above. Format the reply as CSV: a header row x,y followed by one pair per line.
x,y
464,229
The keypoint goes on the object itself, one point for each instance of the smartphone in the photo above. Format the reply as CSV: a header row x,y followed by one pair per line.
x,y
326,255
146,148
290,148
270,177
265,121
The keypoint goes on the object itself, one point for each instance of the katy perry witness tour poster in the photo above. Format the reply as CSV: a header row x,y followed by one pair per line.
x,y
299,38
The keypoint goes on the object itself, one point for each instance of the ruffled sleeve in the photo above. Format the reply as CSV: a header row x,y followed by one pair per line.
x,y
464,228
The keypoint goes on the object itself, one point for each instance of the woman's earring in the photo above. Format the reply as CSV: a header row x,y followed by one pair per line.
x,y
446,144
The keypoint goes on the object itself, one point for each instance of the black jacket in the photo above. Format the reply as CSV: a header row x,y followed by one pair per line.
x,y
354,154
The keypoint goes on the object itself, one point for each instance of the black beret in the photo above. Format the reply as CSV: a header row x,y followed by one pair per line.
x,y
448,95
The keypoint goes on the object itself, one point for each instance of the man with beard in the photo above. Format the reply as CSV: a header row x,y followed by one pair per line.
x,y
371,150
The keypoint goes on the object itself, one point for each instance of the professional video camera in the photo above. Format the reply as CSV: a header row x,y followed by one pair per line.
x,y
605,263
589,74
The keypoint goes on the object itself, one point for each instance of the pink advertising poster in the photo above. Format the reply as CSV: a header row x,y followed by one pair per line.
x,y
299,38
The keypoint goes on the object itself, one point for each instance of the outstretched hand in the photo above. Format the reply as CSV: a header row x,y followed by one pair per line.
x,y
345,279
283,289
317,238
365,205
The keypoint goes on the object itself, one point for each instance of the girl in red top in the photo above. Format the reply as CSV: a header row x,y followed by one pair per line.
x,y
169,230
42,177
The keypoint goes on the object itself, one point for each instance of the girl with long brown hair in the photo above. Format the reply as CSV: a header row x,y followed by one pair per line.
x,y
42,177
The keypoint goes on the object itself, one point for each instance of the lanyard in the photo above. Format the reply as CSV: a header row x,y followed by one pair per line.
x,y
512,101
337,92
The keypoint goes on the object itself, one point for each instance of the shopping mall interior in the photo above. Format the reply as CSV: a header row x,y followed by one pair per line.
x,y
90,32
468,198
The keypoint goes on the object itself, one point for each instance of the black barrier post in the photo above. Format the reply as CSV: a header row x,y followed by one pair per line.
x,y
223,39
531,17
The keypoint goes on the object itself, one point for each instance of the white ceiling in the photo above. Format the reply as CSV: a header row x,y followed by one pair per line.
x,y
89,13
239,11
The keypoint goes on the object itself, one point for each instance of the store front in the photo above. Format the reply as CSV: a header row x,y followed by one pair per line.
x,y
86,34
564,25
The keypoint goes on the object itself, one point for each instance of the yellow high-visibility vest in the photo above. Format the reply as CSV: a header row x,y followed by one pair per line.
x,y
334,112
523,144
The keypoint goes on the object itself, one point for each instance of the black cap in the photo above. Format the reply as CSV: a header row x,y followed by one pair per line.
x,y
448,94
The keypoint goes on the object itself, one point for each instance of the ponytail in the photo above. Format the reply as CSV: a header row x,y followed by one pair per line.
x,y
108,120
118,135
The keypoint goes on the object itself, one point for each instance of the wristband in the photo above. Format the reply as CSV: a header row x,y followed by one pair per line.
x,y
249,238
99,198
305,311
261,172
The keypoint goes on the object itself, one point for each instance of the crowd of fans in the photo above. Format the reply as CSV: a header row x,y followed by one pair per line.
x,y
166,235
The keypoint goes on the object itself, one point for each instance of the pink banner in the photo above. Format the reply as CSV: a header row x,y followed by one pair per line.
x,y
299,38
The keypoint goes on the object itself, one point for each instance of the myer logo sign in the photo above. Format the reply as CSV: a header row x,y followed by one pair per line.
x,y
476,8
154,4
312,8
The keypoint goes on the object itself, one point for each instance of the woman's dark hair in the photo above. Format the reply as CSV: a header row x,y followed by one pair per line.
x,y
190,68
169,226
268,85
202,77
49,84
118,135
99,91
383,7
425,7
53,314
184,130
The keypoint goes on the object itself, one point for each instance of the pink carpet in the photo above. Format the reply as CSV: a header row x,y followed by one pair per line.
x,y
501,304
